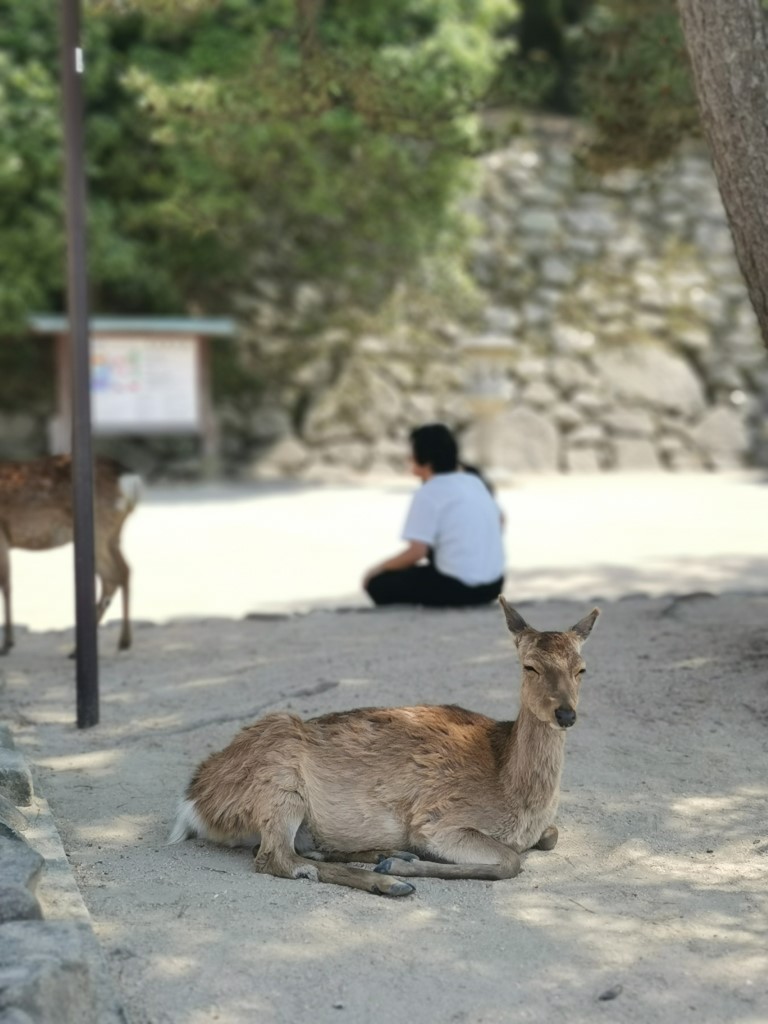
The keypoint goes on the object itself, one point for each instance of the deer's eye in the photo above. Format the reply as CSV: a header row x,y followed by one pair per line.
x,y
530,668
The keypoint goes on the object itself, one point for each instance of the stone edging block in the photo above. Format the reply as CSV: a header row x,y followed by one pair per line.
x,y
51,971
15,777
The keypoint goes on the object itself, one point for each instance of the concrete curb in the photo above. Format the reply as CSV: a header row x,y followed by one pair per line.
x,y
52,968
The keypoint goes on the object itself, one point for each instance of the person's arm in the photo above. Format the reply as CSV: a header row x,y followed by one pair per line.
x,y
414,553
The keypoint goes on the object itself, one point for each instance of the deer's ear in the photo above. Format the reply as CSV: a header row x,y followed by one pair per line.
x,y
583,627
515,623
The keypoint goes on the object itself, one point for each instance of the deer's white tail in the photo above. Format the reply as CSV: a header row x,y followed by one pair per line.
x,y
131,488
188,824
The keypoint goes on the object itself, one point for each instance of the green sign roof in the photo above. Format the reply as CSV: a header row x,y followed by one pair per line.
x,y
212,326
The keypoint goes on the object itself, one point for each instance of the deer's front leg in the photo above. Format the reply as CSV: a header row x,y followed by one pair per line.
x,y
548,839
469,853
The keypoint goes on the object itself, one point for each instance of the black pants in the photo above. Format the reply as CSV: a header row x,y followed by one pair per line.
x,y
423,584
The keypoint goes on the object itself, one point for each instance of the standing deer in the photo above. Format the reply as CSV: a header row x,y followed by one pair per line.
x,y
36,514
393,785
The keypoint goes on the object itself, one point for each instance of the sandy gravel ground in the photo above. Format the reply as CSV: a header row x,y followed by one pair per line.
x,y
657,893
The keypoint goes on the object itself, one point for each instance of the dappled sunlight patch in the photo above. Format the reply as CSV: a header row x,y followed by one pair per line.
x,y
352,681
200,682
14,676
109,932
323,921
690,663
122,829
555,910
174,966
722,805
724,818
93,760
638,920
57,716
489,658
145,726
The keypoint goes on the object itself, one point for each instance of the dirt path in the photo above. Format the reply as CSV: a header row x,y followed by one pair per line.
x,y
658,885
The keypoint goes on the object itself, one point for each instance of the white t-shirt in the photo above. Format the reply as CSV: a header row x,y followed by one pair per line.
x,y
457,516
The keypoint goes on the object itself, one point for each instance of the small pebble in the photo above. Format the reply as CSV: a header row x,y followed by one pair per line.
x,y
611,993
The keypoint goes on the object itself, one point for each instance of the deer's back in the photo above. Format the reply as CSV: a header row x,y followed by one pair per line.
x,y
412,766
36,500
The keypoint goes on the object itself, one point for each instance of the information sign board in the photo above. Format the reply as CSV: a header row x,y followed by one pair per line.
x,y
145,384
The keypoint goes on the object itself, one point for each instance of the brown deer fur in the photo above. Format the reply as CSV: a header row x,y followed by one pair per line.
x,y
398,784
36,514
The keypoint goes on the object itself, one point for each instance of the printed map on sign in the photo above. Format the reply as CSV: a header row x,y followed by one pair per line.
x,y
145,384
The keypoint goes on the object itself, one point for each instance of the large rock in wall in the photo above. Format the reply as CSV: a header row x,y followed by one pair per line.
x,y
617,335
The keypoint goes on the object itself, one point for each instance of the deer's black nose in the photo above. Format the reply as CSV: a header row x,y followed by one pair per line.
x,y
565,717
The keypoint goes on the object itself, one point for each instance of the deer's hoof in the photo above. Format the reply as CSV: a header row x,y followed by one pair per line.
x,y
306,871
397,888
548,839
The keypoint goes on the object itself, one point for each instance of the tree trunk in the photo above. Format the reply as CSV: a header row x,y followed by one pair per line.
x,y
727,43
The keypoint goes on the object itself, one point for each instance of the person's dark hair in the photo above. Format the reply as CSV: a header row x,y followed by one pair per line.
x,y
469,468
434,445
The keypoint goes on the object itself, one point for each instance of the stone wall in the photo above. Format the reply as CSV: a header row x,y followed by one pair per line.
x,y
616,333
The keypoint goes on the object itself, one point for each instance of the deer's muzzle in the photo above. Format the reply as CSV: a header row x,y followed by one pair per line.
x,y
565,717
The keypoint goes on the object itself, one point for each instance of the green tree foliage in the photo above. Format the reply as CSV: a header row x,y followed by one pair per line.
x,y
31,239
619,64
311,139
634,82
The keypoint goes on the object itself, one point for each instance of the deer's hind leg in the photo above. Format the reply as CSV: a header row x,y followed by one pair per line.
x,y
114,574
5,587
461,853
276,854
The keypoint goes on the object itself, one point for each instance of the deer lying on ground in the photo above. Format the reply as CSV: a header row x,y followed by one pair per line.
x,y
36,514
393,785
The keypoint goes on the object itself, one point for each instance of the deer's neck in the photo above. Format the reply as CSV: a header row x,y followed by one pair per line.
x,y
534,759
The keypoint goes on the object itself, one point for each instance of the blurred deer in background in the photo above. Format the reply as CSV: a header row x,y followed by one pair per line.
x,y
36,514
397,784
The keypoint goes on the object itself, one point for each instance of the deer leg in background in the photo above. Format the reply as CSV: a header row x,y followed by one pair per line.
x,y
470,854
359,856
114,574
5,586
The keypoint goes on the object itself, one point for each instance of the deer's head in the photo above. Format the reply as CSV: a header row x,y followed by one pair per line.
x,y
552,667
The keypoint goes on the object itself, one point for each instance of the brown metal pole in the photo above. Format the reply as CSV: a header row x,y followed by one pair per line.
x,y
77,300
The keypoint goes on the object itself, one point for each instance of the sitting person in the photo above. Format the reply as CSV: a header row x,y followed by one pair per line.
x,y
453,525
